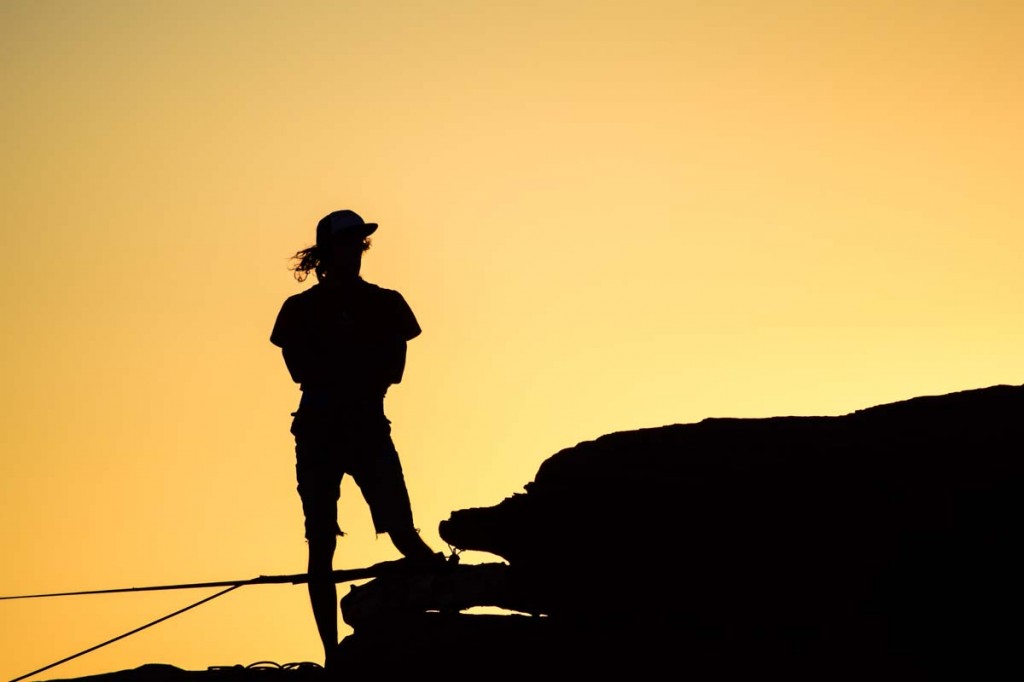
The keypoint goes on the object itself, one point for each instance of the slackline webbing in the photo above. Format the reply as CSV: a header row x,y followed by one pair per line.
x,y
340,576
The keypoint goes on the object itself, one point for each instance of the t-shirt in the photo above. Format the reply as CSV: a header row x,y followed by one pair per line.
x,y
345,337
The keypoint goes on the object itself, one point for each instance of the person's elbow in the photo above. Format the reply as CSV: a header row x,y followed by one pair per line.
x,y
295,364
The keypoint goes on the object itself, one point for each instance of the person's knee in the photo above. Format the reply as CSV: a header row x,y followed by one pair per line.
x,y
321,553
321,524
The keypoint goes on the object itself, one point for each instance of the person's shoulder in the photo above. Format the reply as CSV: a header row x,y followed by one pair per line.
x,y
380,292
303,300
370,287
307,294
392,306
294,314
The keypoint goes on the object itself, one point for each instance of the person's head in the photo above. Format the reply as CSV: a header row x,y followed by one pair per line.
x,y
341,239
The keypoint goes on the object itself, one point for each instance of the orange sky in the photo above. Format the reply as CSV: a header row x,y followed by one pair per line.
x,y
606,215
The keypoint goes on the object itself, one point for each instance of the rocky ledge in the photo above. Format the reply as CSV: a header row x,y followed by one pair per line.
x,y
882,542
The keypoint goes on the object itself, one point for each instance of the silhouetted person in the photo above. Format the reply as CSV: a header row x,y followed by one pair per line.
x,y
344,342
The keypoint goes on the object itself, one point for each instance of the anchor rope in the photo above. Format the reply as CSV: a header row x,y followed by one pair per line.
x,y
126,634
344,575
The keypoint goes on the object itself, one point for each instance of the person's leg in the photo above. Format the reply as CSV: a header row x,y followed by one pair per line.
x,y
323,593
319,486
407,541
382,482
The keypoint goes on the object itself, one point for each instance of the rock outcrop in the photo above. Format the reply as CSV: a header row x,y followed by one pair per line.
x,y
879,542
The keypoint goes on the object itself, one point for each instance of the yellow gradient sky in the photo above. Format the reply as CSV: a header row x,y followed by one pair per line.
x,y
606,215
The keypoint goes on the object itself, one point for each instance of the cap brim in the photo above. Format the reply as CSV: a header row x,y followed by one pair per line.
x,y
361,231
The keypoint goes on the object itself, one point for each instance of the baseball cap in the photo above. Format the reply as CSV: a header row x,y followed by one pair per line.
x,y
342,223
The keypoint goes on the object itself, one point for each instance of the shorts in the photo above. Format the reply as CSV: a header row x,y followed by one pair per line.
x,y
356,440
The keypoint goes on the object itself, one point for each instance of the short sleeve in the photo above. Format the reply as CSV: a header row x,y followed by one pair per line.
x,y
284,325
406,326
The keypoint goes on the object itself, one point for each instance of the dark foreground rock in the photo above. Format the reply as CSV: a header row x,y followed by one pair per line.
x,y
885,540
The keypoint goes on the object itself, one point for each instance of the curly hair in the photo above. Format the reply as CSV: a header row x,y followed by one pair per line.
x,y
310,260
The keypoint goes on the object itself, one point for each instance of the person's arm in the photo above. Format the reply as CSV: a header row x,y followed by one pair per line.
x,y
293,340
406,327
295,361
395,355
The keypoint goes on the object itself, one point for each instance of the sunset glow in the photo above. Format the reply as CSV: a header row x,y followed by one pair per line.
x,y
605,215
